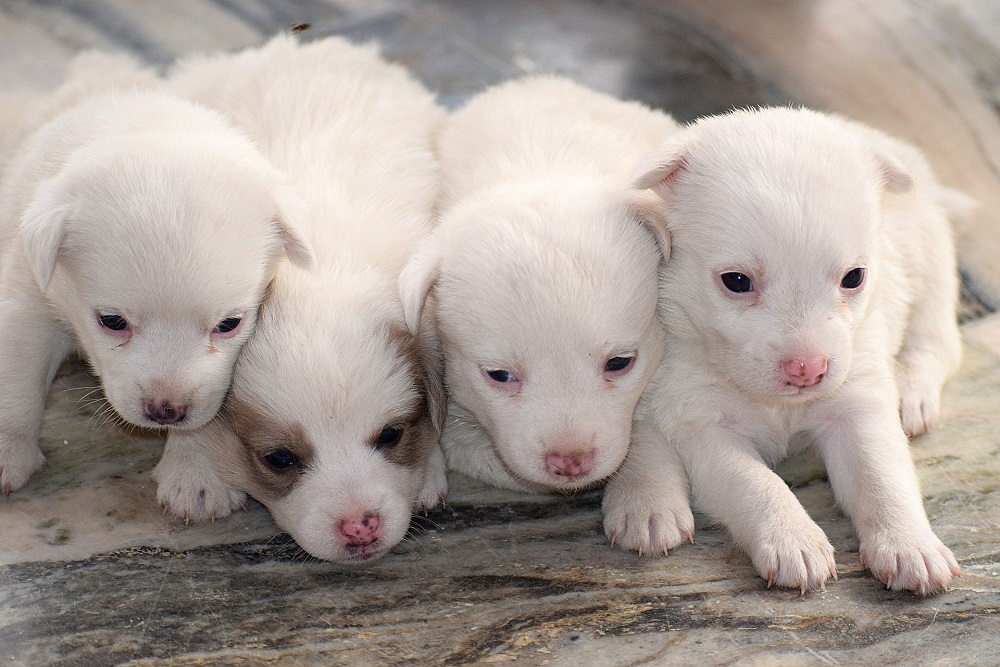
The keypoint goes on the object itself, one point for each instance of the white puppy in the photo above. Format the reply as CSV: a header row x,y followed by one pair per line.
x,y
141,230
541,277
810,293
335,410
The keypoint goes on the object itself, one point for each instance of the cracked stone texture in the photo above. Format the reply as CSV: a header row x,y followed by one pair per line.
x,y
92,573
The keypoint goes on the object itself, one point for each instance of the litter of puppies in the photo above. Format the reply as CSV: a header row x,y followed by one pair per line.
x,y
327,289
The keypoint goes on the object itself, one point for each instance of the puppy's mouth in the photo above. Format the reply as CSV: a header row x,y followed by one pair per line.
x,y
357,555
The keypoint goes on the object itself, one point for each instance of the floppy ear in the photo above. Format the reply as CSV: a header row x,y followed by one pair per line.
x,y
416,281
652,213
661,167
429,348
43,228
895,176
291,212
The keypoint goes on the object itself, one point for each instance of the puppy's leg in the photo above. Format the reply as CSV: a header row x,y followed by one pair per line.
x,y
189,485
732,484
32,345
436,482
872,474
932,348
646,506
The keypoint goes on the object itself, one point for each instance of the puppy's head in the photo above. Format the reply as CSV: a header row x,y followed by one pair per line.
x,y
774,218
335,408
545,301
156,250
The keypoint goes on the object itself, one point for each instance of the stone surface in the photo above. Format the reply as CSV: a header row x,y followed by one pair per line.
x,y
92,573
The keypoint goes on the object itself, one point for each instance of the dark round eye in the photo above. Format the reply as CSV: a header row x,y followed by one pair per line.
x,y
113,322
737,282
502,376
617,364
227,325
281,459
853,278
388,437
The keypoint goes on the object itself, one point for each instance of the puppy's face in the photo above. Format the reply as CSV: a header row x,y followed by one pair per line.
x,y
157,256
334,423
546,305
774,221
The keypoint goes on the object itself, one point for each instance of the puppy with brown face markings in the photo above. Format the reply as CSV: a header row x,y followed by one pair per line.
x,y
335,410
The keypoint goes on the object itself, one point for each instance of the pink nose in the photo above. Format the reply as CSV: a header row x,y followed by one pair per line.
x,y
569,464
804,371
361,531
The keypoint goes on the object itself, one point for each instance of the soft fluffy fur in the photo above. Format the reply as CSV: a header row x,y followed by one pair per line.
x,y
331,367
795,201
543,265
150,209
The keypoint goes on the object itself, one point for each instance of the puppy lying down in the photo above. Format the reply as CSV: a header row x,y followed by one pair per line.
x,y
809,301
335,409
542,279
140,230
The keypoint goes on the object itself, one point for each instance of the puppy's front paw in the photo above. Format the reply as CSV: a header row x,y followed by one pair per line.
x,y
919,405
194,492
800,557
18,461
653,522
435,486
916,562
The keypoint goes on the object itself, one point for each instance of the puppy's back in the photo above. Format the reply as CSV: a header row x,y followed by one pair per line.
x,y
338,119
541,126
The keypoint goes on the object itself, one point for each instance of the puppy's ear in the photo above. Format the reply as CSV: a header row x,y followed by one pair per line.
x,y
661,167
429,348
895,176
416,281
43,228
652,213
292,212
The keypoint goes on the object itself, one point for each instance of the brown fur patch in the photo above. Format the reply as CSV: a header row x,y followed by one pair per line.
x,y
422,429
260,435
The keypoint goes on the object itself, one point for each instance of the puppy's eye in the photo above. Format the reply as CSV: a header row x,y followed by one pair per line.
x,y
113,322
853,278
617,364
228,325
737,282
388,438
502,376
281,460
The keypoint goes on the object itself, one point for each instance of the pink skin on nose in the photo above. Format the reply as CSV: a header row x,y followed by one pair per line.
x,y
361,531
804,371
570,465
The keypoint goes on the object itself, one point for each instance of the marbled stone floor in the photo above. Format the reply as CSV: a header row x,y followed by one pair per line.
x,y
91,573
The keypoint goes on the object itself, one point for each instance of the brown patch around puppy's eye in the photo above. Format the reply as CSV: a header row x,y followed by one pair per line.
x,y
276,452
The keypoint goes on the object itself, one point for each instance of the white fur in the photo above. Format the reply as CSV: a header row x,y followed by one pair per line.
x,y
144,206
328,361
543,264
795,200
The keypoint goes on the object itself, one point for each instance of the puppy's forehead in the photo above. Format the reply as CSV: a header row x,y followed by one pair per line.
x,y
338,375
551,267
756,190
195,226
